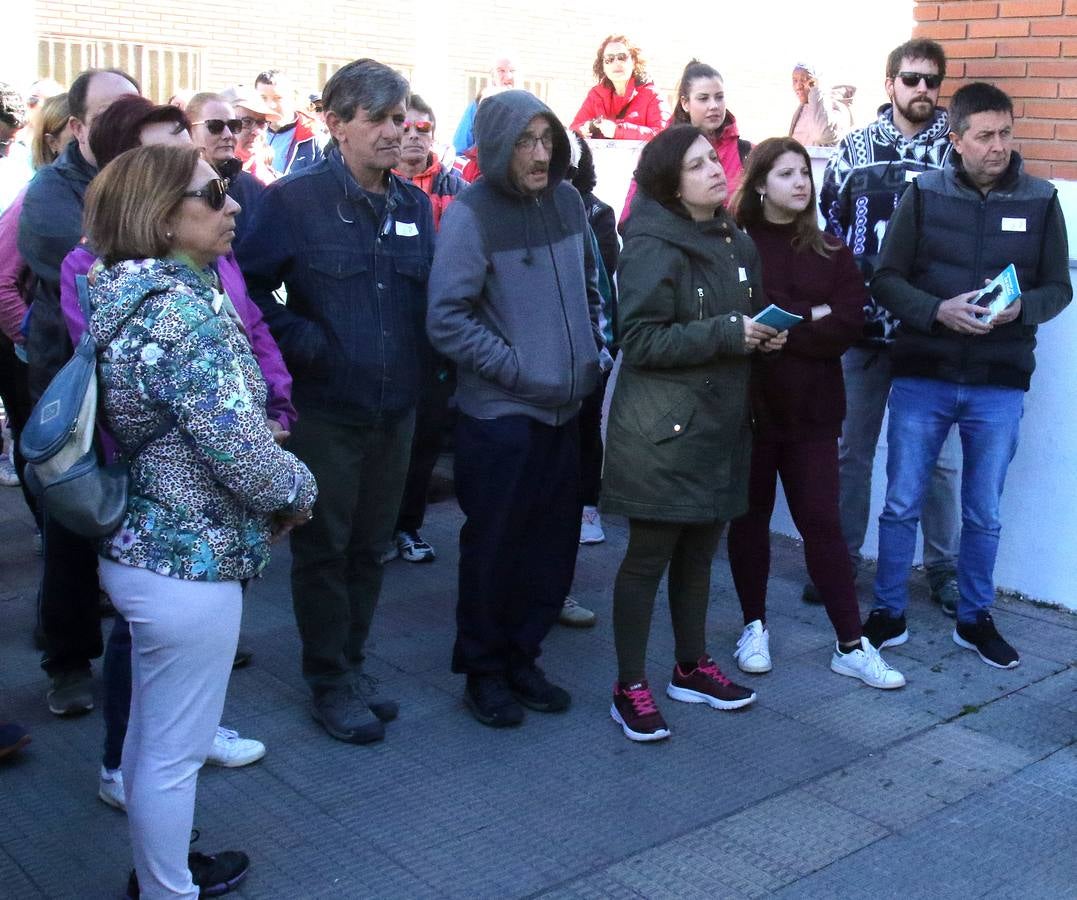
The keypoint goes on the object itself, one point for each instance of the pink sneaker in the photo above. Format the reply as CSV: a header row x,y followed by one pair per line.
x,y
634,709
706,684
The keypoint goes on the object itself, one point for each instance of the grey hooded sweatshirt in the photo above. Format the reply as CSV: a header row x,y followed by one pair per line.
x,y
513,293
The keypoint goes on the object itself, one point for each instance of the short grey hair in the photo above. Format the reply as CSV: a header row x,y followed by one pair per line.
x,y
364,84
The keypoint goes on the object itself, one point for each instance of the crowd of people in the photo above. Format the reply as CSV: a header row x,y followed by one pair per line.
x,y
290,309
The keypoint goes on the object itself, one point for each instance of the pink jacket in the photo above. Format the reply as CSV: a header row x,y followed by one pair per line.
x,y
15,275
640,114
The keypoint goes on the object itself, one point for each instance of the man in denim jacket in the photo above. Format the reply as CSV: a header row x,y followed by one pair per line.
x,y
352,244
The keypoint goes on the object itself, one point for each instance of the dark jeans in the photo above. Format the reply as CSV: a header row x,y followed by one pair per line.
x,y
68,601
809,472
116,681
687,550
432,417
590,420
517,481
336,568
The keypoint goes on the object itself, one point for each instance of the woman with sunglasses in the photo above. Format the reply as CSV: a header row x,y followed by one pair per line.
x,y
215,130
798,403
624,105
184,397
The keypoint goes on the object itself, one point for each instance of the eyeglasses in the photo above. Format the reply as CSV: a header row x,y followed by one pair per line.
x,y
214,193
216,126
912,79
610,58
248,122
420,127
528,142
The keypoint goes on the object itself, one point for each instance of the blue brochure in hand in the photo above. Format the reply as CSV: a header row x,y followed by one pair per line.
x,y
777,318
999,294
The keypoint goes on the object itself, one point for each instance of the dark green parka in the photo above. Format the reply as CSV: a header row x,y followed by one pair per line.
x,y
678,440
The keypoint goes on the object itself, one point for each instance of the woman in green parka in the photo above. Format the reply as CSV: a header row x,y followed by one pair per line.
x,y
678,442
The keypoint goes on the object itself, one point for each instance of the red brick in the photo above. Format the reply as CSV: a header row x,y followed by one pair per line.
x,y
1064,172
1067,89
941,31
1066,131
1060,68
1033,129
1047,27
1028,87
925,12
974,50
1069,48
1062,151
1050,109
1029,47
1037,168
955,70
968,11
999,28
1026,8
995,68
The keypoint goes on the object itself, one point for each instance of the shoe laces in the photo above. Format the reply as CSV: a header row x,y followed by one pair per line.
x,y
711,670
751,640
227,734
570,603
877,666
642,700
590,515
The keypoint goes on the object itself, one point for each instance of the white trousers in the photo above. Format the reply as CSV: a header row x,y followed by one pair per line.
x,y
183,642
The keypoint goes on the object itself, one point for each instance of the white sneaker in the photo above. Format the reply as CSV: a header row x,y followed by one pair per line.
x,y
575,616
110,789
753,648
867,665
8,476
591,526
230,750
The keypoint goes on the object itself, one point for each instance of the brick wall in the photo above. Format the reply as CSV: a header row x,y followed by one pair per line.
x,y
1028,48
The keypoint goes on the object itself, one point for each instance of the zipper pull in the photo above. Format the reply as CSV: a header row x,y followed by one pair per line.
x,y
699,291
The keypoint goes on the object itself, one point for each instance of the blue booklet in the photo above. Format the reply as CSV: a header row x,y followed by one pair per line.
x,y
999,294
777,318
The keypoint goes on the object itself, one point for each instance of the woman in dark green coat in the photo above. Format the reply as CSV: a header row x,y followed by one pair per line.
x,y
678,442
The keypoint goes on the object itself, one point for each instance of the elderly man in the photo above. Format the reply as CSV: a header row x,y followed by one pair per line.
x,y
49,227
502,77
514,303
352,243
954,362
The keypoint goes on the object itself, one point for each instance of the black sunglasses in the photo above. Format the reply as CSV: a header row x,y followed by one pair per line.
x,y
214,193
912,79
216,126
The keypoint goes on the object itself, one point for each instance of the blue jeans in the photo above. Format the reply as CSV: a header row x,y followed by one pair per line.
x,y
922,410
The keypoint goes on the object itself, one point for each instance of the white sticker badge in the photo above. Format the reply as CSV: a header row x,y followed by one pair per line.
x,y
743,275
407,229
911,175
1009,224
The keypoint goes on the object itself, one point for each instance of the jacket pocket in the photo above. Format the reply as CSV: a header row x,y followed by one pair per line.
x,y
412,267
670,420
338,264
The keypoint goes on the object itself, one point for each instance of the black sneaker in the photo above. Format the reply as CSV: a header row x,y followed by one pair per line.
x,y
885,630
213,875
946,595
385,710
811,594
983,637
491,702
343,712
530,686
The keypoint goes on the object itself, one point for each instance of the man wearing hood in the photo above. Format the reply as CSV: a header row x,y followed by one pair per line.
x,y
514,303
862,185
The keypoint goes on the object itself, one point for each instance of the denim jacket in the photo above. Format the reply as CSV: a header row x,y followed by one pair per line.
x,y
352,329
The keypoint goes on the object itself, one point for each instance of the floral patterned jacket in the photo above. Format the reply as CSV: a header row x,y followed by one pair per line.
x,y
202,494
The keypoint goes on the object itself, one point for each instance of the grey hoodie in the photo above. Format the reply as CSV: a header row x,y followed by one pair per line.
x,y
513,293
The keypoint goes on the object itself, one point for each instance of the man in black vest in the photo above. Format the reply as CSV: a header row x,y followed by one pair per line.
x,y
955,362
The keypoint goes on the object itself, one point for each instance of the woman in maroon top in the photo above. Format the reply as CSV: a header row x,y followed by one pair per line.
x,y
798,403
624,105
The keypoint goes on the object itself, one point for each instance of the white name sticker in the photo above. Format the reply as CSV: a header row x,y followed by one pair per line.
x,y
407,229
743,275
911,176
1009,224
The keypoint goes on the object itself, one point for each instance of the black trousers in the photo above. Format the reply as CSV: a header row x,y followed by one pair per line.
x,y
517,481
68,602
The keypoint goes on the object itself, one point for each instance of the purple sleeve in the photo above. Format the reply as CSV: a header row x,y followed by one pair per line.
x,y
274,371
78,262
14,274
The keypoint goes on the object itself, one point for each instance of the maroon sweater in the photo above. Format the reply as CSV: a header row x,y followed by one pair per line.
x,y
798,393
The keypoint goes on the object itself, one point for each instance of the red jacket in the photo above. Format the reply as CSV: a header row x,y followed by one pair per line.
x,y
441,185
640,114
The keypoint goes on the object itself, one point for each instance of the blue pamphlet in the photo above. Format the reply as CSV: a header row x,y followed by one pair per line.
x,y
999,294
777,318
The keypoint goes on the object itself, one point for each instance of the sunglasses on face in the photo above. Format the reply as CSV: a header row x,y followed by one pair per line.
x,y
912,79
216,126
214,193
420,127
611,58
248,122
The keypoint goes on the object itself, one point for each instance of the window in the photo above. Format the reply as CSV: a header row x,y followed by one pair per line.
x,y
476,81
161,69
326,68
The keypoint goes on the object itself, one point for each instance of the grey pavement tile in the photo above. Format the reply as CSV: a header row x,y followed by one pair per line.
x,y
599,886
672,871
912,779
1049,640
16,883
1057,690
797,685
872,718
1019,720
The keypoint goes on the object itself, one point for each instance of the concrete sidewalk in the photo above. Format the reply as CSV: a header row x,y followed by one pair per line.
x,y
962,784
